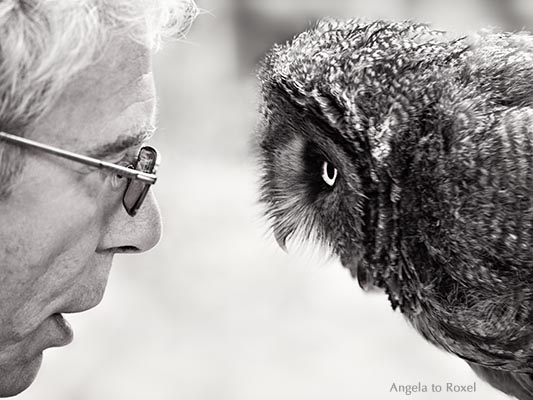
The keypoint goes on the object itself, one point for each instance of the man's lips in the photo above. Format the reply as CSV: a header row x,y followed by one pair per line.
x,y
83,301
27,342
65,334
54,331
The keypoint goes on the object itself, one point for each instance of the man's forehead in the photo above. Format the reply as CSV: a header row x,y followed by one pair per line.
x,y
105,103
131,59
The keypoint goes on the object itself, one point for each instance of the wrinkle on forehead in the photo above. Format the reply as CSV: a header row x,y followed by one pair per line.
x,y
120,81
132,59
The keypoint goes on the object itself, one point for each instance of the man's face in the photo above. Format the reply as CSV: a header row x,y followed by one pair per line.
x,y
64,221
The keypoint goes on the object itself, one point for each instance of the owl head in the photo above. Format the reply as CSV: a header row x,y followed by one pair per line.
x,y
332,100
314,179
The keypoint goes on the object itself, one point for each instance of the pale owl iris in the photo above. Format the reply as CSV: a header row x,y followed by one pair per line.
x,y
329,173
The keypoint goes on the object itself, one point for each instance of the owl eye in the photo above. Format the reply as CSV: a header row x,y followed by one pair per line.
x,y
329,173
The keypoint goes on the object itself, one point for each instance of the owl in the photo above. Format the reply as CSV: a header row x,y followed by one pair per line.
x,y
408,153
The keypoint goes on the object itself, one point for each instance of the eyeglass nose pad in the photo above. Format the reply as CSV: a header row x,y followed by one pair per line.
x,y
130,166
118,180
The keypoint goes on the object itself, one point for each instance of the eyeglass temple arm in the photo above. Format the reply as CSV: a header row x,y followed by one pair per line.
x,y
124,171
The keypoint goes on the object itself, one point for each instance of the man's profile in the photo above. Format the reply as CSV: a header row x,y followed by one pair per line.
x,y
77,103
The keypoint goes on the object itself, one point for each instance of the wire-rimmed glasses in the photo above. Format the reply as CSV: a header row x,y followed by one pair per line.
x,y
141,175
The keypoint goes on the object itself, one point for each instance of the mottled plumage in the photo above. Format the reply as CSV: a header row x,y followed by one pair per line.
x,y
409,153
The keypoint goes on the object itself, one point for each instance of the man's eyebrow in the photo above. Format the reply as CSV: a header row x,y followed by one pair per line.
x,y
123,142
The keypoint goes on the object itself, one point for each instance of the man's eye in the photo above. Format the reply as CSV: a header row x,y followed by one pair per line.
x,y
329,173
128,160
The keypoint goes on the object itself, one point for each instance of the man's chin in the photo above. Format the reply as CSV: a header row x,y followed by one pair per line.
x,y
17,378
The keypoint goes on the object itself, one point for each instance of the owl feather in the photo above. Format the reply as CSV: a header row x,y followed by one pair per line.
x,y
409,153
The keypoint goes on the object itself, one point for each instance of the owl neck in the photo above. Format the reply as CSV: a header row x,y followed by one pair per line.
x,y
386,263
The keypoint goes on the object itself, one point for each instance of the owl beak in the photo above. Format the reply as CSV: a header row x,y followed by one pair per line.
x,y
352,266
364,279
360,273
281,239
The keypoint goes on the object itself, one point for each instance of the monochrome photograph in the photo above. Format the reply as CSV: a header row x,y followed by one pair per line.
x,y
266,200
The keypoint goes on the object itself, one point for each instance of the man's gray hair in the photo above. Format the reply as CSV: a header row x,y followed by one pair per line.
x,y
43,43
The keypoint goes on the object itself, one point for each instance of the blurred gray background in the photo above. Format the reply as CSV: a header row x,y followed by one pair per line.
x,y
217,311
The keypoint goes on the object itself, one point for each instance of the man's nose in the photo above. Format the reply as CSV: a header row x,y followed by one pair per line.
x,y
147,224
135,234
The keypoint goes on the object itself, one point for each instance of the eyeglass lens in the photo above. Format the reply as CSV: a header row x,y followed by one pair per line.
x,y
136,191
